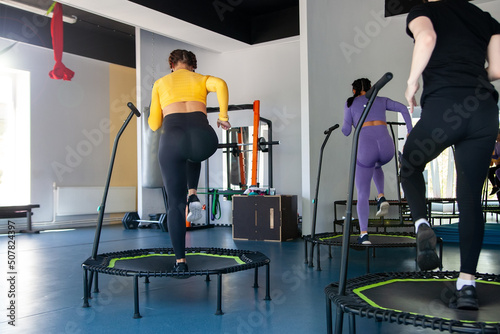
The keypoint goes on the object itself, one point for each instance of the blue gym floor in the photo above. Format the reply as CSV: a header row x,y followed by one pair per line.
x,y
49,286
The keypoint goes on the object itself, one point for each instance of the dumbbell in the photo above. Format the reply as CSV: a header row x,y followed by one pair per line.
x,y
131,221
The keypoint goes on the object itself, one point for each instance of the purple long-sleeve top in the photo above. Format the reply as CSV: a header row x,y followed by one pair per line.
x,y
496,152
353,113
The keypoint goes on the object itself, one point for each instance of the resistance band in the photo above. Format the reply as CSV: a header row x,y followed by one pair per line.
x,y
255,148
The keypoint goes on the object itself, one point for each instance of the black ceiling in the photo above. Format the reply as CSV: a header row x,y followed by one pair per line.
x,y
92,36
249,21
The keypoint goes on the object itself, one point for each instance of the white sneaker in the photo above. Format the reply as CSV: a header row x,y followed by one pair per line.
x,y
194,209
382,207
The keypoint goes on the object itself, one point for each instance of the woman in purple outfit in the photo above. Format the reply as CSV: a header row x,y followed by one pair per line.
x,y
375,148
494,171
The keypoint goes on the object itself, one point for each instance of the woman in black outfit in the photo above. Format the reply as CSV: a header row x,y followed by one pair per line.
x,y
453,39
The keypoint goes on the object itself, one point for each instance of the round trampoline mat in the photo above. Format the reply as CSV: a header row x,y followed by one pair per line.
x,y
154,261
430,297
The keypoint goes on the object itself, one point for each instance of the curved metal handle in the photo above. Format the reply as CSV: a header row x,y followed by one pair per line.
x,y
379,84
134,109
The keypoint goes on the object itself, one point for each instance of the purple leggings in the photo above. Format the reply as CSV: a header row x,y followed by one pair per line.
x,y
375,149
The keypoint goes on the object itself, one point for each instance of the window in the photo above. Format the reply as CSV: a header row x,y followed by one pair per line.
x,y
14,137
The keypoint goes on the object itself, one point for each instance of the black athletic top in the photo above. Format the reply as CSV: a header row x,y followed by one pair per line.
x,y
463,33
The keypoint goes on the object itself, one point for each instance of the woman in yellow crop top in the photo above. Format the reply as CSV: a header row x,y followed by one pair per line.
x,y
178,106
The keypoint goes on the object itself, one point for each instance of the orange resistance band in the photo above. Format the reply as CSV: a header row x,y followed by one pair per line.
x,y
255,148
243,177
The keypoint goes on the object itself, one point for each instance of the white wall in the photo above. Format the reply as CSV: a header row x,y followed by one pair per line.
x,y
269,73
61,113
372,46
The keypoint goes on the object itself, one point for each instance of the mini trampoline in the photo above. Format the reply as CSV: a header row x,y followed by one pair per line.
x,y
378,240
417,299
412,298
158,262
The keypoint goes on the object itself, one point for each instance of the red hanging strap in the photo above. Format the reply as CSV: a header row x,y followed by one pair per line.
x,y
60,71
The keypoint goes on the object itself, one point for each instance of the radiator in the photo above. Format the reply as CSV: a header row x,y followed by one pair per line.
x,y
72,201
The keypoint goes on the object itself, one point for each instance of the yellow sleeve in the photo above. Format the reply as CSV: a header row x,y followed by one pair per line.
x,y
219,86
155,112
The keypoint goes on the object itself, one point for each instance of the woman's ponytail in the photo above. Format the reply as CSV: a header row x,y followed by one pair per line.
x,y
358,86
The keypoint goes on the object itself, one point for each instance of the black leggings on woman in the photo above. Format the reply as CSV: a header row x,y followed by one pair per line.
x,y
186,141
467,119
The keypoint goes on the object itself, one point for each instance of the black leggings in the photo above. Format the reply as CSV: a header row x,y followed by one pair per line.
x,y
467,119
186,141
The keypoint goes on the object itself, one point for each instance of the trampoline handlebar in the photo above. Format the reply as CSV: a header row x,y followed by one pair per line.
x,y
315,200
379,84
134,109
331,129
101,208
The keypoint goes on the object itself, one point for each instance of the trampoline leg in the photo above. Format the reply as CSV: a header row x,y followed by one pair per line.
x,y
256,277
440,241
207,278
137,315
328,315
416,256
146,280
352,324
96,285
311,259
85,288
305,251
91,280
318,259
268,284
219,295
339,321
330,252
329,318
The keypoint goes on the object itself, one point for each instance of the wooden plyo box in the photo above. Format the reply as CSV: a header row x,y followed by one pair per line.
x,y
267,218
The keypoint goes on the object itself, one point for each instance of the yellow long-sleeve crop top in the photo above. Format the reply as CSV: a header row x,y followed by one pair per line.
x,y
184,85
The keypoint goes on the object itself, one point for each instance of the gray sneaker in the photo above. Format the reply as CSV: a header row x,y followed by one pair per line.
x,y
382,207
194,208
